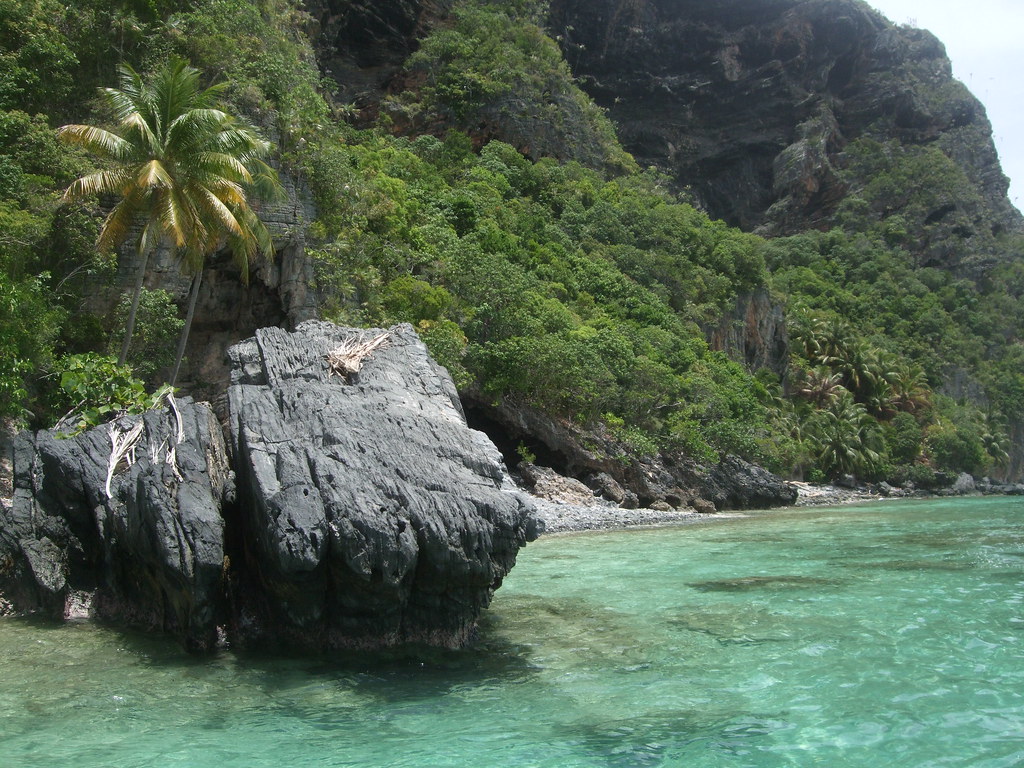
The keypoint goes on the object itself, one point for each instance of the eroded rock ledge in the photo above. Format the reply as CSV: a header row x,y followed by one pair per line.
x,y
354,511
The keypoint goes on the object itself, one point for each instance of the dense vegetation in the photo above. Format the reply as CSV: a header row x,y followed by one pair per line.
x,y
549,270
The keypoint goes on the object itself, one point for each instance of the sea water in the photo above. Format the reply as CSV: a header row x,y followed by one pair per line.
x,y
883,635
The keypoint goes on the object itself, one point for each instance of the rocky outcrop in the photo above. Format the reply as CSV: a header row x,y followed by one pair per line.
x,y
370,514
753,333
144,541
357,510
609,468
363,44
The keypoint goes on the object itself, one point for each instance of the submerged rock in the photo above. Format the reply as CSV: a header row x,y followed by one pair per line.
x,y
369,514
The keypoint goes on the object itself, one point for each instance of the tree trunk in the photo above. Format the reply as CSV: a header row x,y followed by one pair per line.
x,y
193,295
143,254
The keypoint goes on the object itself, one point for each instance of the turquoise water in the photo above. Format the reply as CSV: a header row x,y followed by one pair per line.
x,y
888,635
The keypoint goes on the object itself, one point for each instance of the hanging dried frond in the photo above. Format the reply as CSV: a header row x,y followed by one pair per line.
x,y
347,358
123,441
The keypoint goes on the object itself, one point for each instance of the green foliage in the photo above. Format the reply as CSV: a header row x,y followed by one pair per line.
x,y
36,60
99,390
867,318
909,190
29,326
261,50
963,438
447,344
157,325
526,454
904,438
920,475
848,438
184,171
496,63
549,282
544,283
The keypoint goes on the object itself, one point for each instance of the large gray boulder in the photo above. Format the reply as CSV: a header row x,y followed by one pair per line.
x,y
144,542
369,514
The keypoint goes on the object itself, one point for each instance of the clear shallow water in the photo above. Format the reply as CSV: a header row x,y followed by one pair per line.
x,y
864,636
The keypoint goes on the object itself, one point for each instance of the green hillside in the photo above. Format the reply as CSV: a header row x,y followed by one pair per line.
x,y
558,276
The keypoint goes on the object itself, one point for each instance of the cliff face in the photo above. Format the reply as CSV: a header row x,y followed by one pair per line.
x,y
750,103
747,102
363,44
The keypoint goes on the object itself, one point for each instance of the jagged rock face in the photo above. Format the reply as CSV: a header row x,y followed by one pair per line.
x,y
675,480
362,44
151,552
750,102
353,513
754,333
370,514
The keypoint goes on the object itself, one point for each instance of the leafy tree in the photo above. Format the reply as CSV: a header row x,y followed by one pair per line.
x,y
183,170
36,60
904,438
848,439
157,324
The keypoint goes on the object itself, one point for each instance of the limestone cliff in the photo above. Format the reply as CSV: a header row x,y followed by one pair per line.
x,y
751,104
748,103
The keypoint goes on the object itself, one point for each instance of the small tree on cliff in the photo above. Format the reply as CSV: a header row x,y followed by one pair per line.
x,y
184,171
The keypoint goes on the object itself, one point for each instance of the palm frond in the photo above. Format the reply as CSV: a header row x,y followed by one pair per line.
x,y
138,123
118,224
219,212
228,191
177,217
153,174
185,168
96,140
266,184
106,182
221,164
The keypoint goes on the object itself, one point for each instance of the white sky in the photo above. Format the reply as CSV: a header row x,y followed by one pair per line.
x,y
985,41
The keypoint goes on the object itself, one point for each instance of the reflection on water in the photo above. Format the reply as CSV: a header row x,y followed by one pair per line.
x,y
865,636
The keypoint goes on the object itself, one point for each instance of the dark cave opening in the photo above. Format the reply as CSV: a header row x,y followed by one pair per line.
x,y
513,443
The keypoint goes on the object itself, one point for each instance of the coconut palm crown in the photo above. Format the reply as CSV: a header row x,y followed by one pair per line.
x,y
183,171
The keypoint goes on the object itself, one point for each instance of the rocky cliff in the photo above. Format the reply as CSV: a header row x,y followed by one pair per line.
x,y
355,509
614,473
750,103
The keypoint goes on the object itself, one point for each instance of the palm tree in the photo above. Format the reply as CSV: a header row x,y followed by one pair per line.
x,y
848,440
910,388
821,386
184,171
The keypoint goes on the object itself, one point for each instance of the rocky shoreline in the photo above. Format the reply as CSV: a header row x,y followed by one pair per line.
x,y
573,515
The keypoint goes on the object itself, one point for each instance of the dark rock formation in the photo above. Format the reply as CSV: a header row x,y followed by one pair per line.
x,y
151,551
597,459
754,333
364,513
751,102
737,484
362,44
370,514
